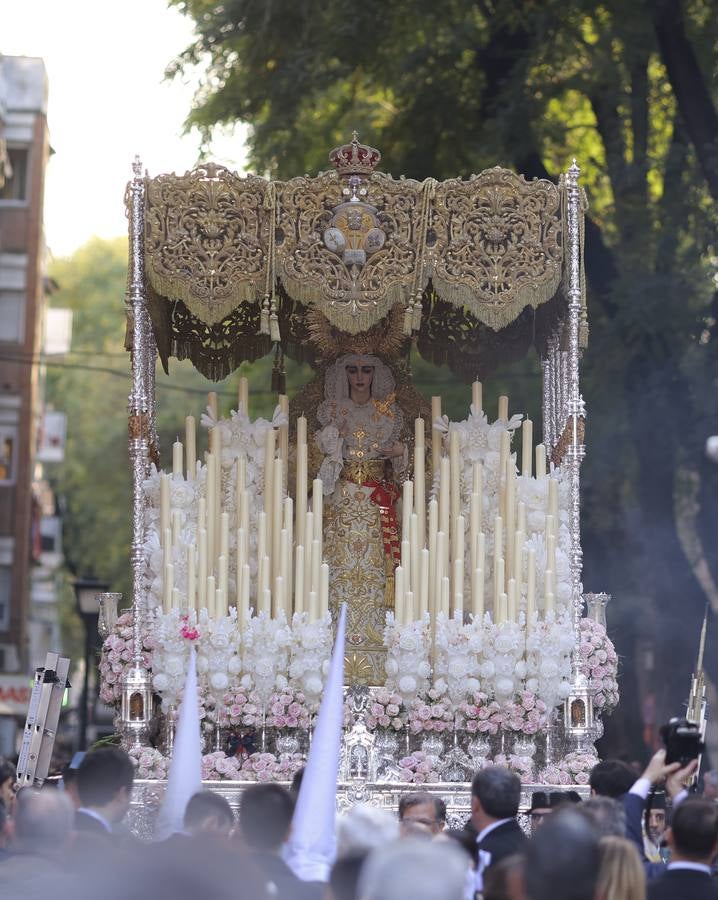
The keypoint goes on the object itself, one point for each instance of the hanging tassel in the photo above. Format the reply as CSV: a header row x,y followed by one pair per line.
x,y
264,316
273,321
409,318
418,312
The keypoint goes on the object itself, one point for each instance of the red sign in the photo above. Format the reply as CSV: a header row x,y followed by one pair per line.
x,y
15,691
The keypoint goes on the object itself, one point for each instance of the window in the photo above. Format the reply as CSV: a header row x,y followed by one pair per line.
x,y
12,316
5,581
8,454
15,187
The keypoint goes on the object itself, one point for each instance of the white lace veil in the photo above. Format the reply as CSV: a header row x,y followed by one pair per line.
x,y
336,383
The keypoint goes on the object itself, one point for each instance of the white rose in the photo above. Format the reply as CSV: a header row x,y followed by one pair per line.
x,y
234,666
202,663
174,665
564,689
160,682
488,669
312,685
219,681
281,683
520,669
407,684
504,686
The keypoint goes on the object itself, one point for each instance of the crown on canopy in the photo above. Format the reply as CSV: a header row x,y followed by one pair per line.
x,y
355,158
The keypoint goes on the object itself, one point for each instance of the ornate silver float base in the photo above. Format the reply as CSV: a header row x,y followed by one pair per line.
x,y
147,797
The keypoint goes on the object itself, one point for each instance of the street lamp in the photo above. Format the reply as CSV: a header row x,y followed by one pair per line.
x,y
86,591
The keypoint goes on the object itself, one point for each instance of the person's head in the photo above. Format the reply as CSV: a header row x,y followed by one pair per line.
x,y
621,875
495,794
208,813
415,868
422,810
505,879
363,828
104,782
360,375
7,785
562,859
265,816
540,809
605,815
710,785
657,823
693,834
344,877
611,778
43,820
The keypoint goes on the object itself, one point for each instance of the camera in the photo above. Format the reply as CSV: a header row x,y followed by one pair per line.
x,y
682,740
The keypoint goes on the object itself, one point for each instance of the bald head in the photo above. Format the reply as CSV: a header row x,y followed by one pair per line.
x,y
43,819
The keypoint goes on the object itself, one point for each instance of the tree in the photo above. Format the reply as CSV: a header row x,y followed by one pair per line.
x,y
447,89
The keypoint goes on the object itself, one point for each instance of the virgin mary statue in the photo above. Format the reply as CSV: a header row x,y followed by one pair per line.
x,y
362,461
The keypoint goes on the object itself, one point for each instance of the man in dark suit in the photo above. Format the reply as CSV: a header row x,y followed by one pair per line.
x,y
693,841
495,797
104,785
265,819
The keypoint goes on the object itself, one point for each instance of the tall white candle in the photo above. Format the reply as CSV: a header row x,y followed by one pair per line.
x,y
301,487
220,605
284,436
503,607
318,508
211,597
504,456
308,531
241,484
268,493
527,449
168,587
512,612
176,599
313,606
176,527
504,408
500,582
285,602
212,405
190,439
441,552
553,499
261,537
455,489
424,584
540,460
474,528
458,586
433,531
445,595
548,592
177,458
477,594
476,398
288,525
224,535
409,607
279,598
444,495
399,594
222,577
415,555
266,606
324,595
406,562
518,573
316,564
510,514
435,434
244,615
244,395
299,579
191,589
420,479
407,507
217,492
164,504
211,497
530,588
202,570
498,554
521,517
277,492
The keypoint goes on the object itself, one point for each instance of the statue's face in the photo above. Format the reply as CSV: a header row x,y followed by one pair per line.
x,y
360,379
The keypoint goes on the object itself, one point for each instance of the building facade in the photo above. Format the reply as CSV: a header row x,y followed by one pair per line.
x,y
24,132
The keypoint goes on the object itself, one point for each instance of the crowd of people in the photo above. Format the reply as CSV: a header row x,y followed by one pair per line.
x,y
627,841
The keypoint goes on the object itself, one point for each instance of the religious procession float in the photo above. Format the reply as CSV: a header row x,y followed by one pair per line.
x,y
455,545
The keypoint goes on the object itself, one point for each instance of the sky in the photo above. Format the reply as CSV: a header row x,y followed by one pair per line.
x,y
108,101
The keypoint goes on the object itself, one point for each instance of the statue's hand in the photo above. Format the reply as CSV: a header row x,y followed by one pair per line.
x,y
393,452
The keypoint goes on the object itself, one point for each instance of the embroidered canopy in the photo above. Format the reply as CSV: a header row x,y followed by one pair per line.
x,y
234,264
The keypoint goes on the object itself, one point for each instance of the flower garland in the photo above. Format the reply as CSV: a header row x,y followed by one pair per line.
x,y
574,768
432,712
598,661
417,768
116,658
387,710
407,658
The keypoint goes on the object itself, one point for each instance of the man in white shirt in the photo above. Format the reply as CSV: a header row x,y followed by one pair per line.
x,y
495,797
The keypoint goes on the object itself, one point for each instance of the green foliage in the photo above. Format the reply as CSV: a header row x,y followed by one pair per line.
x,y
450,88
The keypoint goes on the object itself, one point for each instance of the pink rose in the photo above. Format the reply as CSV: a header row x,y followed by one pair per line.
x,y
472,726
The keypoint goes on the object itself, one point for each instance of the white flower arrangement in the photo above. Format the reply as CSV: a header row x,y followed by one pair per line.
x,y
310,651
219,663
266,644
549,645
504,668
407,660
458,653
172,635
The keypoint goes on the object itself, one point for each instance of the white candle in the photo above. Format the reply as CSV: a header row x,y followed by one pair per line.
x,y
445,595
220,605
264,579
481,551
168,587
217,492
268,494
240,492
191,590
406,562
261,536
210,498
324,594
420,479
244,395
318,508
477,594
212,405
415,555
444,495
498,554
518,572
441,550
211,597
308,531
459,528
500,582
540,460
224,535
399,595
409,612
279,599
285,602
190,439
476,398
284,436
512,610
244,609
289,574
521,517
301,486
316,564
164,504
548,592
504,408
176,599
504,456
266,604
202,570
527,437
458,586
424,584
276,529
222,577
176,527
474,528
177,458
433,531
299,579
503,607
407,507
510,513
313,606
455,489
241,560
435,434
531,588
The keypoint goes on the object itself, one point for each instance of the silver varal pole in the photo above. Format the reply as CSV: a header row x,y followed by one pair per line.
x,y
136,684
